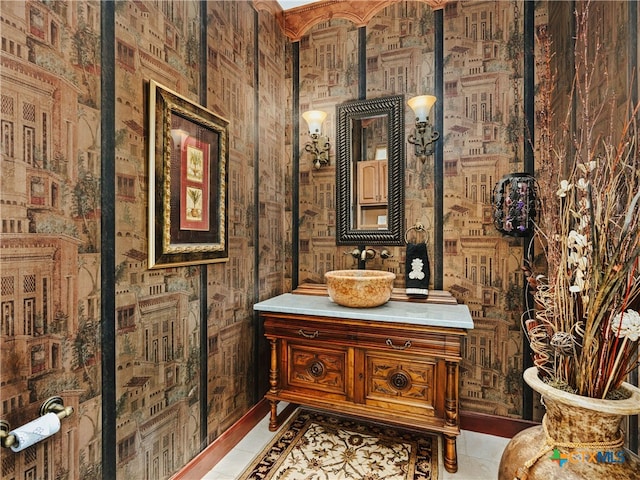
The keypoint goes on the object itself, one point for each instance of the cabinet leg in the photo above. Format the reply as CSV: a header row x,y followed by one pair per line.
x,y
273,419
450,454
273,368
451,395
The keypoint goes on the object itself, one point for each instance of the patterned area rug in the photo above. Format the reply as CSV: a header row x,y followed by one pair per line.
x,y
322,446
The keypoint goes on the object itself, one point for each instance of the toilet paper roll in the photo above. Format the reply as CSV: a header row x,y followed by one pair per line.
x,y
35,431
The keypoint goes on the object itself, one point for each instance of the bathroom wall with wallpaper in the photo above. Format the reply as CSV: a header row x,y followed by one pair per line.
x,y
483,139
483,73
159,352
51,240
157,311
52,245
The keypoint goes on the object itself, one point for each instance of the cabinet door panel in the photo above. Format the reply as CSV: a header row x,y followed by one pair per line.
x,y
321,369
368,182
394,382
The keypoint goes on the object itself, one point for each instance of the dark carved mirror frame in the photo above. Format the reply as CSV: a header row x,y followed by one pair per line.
x,y
346,113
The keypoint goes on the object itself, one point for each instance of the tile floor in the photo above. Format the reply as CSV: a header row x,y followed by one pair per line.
x,y
478,455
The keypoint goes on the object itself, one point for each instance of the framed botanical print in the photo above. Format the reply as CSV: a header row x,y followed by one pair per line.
x,y
188,160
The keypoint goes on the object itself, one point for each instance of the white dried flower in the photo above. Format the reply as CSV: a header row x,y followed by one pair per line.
x,y
565,186
577,258
588,167
577,239
578,282
626,325
582,184
583,263
573,258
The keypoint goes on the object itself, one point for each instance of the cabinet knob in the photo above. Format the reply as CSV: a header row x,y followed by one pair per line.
x,y
399,380
316,369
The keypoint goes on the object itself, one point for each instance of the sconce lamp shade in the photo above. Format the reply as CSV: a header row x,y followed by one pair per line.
x,y
178,136
421,106
314,119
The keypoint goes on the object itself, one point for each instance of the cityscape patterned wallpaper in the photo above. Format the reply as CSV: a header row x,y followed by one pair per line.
x,y
50,243
483,72
157,311
159,351
484,140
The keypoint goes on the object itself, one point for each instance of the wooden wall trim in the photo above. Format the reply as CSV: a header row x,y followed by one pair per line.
x,y
295,22
202,463
492,425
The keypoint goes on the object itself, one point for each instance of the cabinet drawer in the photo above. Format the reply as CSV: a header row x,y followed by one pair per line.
x,y
410,341
310,331
400,383
320,369
395,337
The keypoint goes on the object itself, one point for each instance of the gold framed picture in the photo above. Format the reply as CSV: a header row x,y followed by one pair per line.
x,y
188,160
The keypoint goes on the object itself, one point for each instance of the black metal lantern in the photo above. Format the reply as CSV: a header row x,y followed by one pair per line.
x,y
514,204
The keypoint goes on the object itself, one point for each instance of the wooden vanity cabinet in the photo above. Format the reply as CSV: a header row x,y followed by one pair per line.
x,y
392,372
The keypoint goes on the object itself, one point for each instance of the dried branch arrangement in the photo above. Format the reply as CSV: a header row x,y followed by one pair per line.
x,y
584,329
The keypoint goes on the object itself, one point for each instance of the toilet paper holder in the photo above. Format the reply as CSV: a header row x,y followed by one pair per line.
x,y
50,405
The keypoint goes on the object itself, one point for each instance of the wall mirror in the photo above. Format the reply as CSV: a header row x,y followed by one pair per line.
x,y
370,171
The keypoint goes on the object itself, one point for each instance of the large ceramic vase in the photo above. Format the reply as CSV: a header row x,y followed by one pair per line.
x,y
579,438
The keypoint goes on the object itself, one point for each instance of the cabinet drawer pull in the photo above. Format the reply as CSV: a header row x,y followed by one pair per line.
x,y
308,335
406,345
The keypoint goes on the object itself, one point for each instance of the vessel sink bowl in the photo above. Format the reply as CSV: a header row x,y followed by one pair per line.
x,y
359,288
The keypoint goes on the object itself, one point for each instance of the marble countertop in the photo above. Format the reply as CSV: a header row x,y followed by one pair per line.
x,y
427,314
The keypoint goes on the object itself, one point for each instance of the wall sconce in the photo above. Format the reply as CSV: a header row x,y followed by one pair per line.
x,y
515,199
319,145
423,136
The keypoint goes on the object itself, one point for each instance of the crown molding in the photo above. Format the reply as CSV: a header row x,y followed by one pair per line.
x,y
295,22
